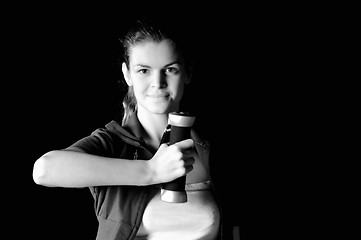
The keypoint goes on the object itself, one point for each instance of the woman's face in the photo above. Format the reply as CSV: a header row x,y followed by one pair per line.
x,y
157,74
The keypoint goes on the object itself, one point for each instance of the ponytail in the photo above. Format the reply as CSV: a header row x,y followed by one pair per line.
x,y
129,105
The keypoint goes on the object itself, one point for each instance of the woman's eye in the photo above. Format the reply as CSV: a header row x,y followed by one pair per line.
x,y
143,71
171,70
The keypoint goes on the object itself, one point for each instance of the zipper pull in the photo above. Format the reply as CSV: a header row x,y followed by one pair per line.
x,y
135,157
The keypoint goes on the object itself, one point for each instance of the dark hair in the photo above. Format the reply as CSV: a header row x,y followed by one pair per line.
x,y
152,30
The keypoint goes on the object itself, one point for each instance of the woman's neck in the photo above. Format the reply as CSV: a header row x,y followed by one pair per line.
x,y
153,127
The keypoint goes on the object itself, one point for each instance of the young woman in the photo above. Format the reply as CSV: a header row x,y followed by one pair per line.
x,y
125,163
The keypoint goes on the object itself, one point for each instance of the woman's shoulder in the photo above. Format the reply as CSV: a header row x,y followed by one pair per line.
x,y
119,130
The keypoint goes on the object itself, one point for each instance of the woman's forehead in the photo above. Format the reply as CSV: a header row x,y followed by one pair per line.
x,y
154,53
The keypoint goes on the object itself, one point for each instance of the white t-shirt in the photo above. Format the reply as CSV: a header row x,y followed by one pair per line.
x,y
196,219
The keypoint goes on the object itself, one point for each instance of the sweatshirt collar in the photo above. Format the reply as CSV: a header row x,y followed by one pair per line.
x,y
131,129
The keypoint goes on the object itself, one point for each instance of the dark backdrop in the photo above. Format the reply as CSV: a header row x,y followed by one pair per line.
x,y
63,85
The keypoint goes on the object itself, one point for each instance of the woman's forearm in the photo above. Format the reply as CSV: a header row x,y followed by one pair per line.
x,y
63,168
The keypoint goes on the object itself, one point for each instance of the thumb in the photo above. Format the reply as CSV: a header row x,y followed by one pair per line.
x,y
162,146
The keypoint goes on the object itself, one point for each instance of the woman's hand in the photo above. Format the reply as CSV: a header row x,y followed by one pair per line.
x,y
172,161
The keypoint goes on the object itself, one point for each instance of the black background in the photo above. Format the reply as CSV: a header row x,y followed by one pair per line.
x,y
62,84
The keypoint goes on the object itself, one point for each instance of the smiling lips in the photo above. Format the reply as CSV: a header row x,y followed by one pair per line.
x,y
158,96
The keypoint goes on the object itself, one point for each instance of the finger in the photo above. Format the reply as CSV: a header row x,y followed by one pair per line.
x,y
188,169
163,145
187,143
189,161
187,153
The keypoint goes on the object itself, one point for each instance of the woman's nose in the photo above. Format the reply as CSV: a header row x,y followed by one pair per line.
x,y
159,80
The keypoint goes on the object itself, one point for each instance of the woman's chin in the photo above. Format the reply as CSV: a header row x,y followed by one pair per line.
x,y
159,109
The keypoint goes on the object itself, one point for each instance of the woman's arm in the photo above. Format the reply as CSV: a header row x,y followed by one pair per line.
x,y
64,168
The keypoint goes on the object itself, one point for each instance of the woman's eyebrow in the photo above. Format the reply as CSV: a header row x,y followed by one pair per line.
x,y
141,65
167,65
172,63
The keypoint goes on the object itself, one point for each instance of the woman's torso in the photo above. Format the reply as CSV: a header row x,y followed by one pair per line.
x,y
196,219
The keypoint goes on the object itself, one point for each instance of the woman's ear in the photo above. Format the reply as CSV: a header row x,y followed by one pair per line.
x,y
126,74
189,77
189,73
188,80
